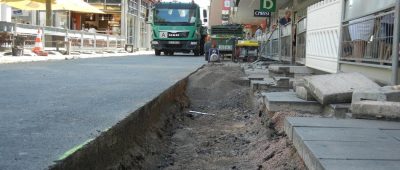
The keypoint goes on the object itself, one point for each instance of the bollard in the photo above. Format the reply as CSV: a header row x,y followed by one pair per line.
x,y
69,44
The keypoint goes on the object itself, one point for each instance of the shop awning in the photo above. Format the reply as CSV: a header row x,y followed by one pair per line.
x,y
68,5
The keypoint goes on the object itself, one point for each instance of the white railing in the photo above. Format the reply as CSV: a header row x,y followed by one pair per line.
x,y
63,39
323,30
301,39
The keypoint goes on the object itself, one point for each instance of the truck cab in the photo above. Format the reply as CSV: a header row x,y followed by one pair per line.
x,y
225,37
177,27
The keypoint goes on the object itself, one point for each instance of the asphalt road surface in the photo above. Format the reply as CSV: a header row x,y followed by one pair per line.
x,y
47,108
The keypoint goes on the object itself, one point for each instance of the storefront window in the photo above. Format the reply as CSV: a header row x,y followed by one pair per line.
x,y
95,1
133,7
116,8
61,19
131,30
113,1
143,9
22,17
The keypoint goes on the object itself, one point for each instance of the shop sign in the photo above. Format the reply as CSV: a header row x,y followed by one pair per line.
x,y
258,13
226,5
268,5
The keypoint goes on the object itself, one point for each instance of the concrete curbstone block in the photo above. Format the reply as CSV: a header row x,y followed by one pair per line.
x,y
337,88
376,109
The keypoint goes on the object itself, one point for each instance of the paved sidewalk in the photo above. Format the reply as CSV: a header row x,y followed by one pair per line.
x,y
22,59
326,143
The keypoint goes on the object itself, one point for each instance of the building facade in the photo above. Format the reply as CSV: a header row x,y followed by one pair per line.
x,y
125,18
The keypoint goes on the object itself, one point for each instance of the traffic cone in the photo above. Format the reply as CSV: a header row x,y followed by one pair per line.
x,y
38,49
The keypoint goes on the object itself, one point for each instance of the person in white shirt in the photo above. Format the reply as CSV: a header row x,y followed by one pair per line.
x,y
259,32
360,31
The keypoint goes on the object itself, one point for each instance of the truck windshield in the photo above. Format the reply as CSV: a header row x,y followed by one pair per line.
x,y
174,16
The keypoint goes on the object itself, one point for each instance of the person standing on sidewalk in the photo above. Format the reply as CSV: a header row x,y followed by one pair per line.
x,y
286,19
259,32
207,47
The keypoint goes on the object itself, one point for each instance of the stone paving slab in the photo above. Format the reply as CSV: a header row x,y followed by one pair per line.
x,y
337,88
256,71
343,134
336,123
326,143
387,93
355,150
376,109
261,84
282,101
290,69
393,133
360,164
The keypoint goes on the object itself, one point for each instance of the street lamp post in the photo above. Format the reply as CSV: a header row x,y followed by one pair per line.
x,y
395,52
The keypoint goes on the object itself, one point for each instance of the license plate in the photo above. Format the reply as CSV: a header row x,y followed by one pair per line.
x,y
225,47
173,42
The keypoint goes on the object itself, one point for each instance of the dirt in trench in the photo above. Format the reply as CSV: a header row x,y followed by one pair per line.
x,y
235,137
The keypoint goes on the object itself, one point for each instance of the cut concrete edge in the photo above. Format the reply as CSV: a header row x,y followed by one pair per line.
x,y
300,105
340,111
111,141
376,110
343,123
312,90
311,160
386,93
304,152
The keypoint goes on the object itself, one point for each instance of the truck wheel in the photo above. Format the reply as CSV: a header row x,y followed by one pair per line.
x,y
157,52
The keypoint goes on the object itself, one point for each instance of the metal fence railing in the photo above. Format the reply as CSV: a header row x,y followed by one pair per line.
x,y
58,38
286,43
273,45
278,44
369,39
301,35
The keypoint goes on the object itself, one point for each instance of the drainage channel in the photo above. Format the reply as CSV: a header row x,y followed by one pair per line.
x,y
208,120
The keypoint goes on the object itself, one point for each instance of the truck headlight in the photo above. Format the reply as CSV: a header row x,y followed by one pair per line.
x,y
154,42
193,43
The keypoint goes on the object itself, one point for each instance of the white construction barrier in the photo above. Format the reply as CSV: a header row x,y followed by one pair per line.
x,y
323,30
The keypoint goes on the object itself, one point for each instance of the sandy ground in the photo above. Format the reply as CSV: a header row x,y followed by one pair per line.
x,y
234,135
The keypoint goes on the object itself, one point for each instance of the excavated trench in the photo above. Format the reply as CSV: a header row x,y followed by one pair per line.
x,y
228,131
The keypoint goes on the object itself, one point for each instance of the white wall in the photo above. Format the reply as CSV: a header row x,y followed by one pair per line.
x,y
5,13
323,30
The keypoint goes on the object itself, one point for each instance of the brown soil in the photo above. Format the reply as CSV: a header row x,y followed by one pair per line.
x,y
236,137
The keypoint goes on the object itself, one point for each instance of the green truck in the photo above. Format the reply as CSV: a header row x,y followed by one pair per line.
x,y
225,36
177,27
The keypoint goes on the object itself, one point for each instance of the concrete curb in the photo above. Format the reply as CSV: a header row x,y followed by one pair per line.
x,y
134,142
26,59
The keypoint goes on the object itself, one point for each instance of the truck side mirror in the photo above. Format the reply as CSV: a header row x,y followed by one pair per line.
x,y
204,13
205,20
